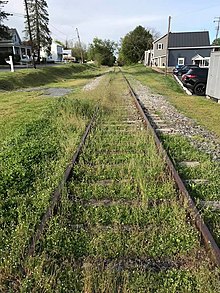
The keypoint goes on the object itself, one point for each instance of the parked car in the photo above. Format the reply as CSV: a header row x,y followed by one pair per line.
x,y
195,80
185,69
176,68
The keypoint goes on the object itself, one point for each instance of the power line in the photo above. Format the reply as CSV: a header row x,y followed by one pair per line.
x,y
196,10
57,29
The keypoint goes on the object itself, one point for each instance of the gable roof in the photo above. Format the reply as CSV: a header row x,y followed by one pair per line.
x,y
155,41
189,39
13,32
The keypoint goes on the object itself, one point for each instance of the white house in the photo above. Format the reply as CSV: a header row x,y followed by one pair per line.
x,y
56,53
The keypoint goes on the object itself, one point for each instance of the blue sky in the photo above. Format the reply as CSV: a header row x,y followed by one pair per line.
x,y
113,19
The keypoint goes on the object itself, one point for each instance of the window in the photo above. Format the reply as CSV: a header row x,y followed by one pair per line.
x,y
23,51
180,61
160,46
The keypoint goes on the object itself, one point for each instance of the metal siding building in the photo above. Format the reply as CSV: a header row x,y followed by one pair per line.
x,y
213,82
187,54
189,39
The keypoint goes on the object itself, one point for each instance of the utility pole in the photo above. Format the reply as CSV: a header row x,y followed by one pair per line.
x,y
167,51
81,51
217,19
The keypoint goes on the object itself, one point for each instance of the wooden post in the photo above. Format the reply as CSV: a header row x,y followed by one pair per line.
x,y
80,45
167,51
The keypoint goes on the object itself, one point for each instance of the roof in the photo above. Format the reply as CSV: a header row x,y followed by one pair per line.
x,y
11,38
160,38
189,39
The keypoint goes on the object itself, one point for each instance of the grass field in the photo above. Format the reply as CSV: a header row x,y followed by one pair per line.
x,y
129,245
38,137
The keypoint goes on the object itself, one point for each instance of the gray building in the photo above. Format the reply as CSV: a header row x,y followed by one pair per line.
x,y
182,48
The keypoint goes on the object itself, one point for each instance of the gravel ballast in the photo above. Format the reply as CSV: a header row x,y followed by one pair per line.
x,y
159,108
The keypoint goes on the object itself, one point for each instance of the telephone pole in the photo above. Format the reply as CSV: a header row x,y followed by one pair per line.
x,y
81,51
167,51
217,20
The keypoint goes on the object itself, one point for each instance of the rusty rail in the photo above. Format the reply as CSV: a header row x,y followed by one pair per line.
x,y
208,239
56,196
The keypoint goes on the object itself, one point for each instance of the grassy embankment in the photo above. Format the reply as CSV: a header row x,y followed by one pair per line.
x,y
59,75
130,244
38,137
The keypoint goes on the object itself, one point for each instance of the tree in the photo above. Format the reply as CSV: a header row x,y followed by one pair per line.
x,y
4,34
37,21
102,52
77,49
155,34
216,42
134,44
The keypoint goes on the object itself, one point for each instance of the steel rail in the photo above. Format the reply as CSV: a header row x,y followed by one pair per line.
x,y
56,196
208,239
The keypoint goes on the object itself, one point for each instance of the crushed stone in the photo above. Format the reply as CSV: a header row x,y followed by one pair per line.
x,y
201,138
93,84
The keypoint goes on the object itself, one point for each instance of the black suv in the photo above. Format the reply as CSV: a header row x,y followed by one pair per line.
x,y
196,79
177,68
185,69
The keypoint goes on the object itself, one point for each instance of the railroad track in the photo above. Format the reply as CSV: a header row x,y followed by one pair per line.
x,y
121,222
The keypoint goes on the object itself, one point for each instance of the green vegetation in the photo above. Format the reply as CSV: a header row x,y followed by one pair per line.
x,y
45,76
3,16
204,111
180,150
39,137
120,227
102,52
37,26
134,44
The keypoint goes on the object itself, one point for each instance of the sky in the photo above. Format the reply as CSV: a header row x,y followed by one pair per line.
x,y
113,19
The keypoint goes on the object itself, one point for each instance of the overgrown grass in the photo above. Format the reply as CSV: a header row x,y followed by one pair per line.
x,y
181,150
38,140
204,111
43,76
130,245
